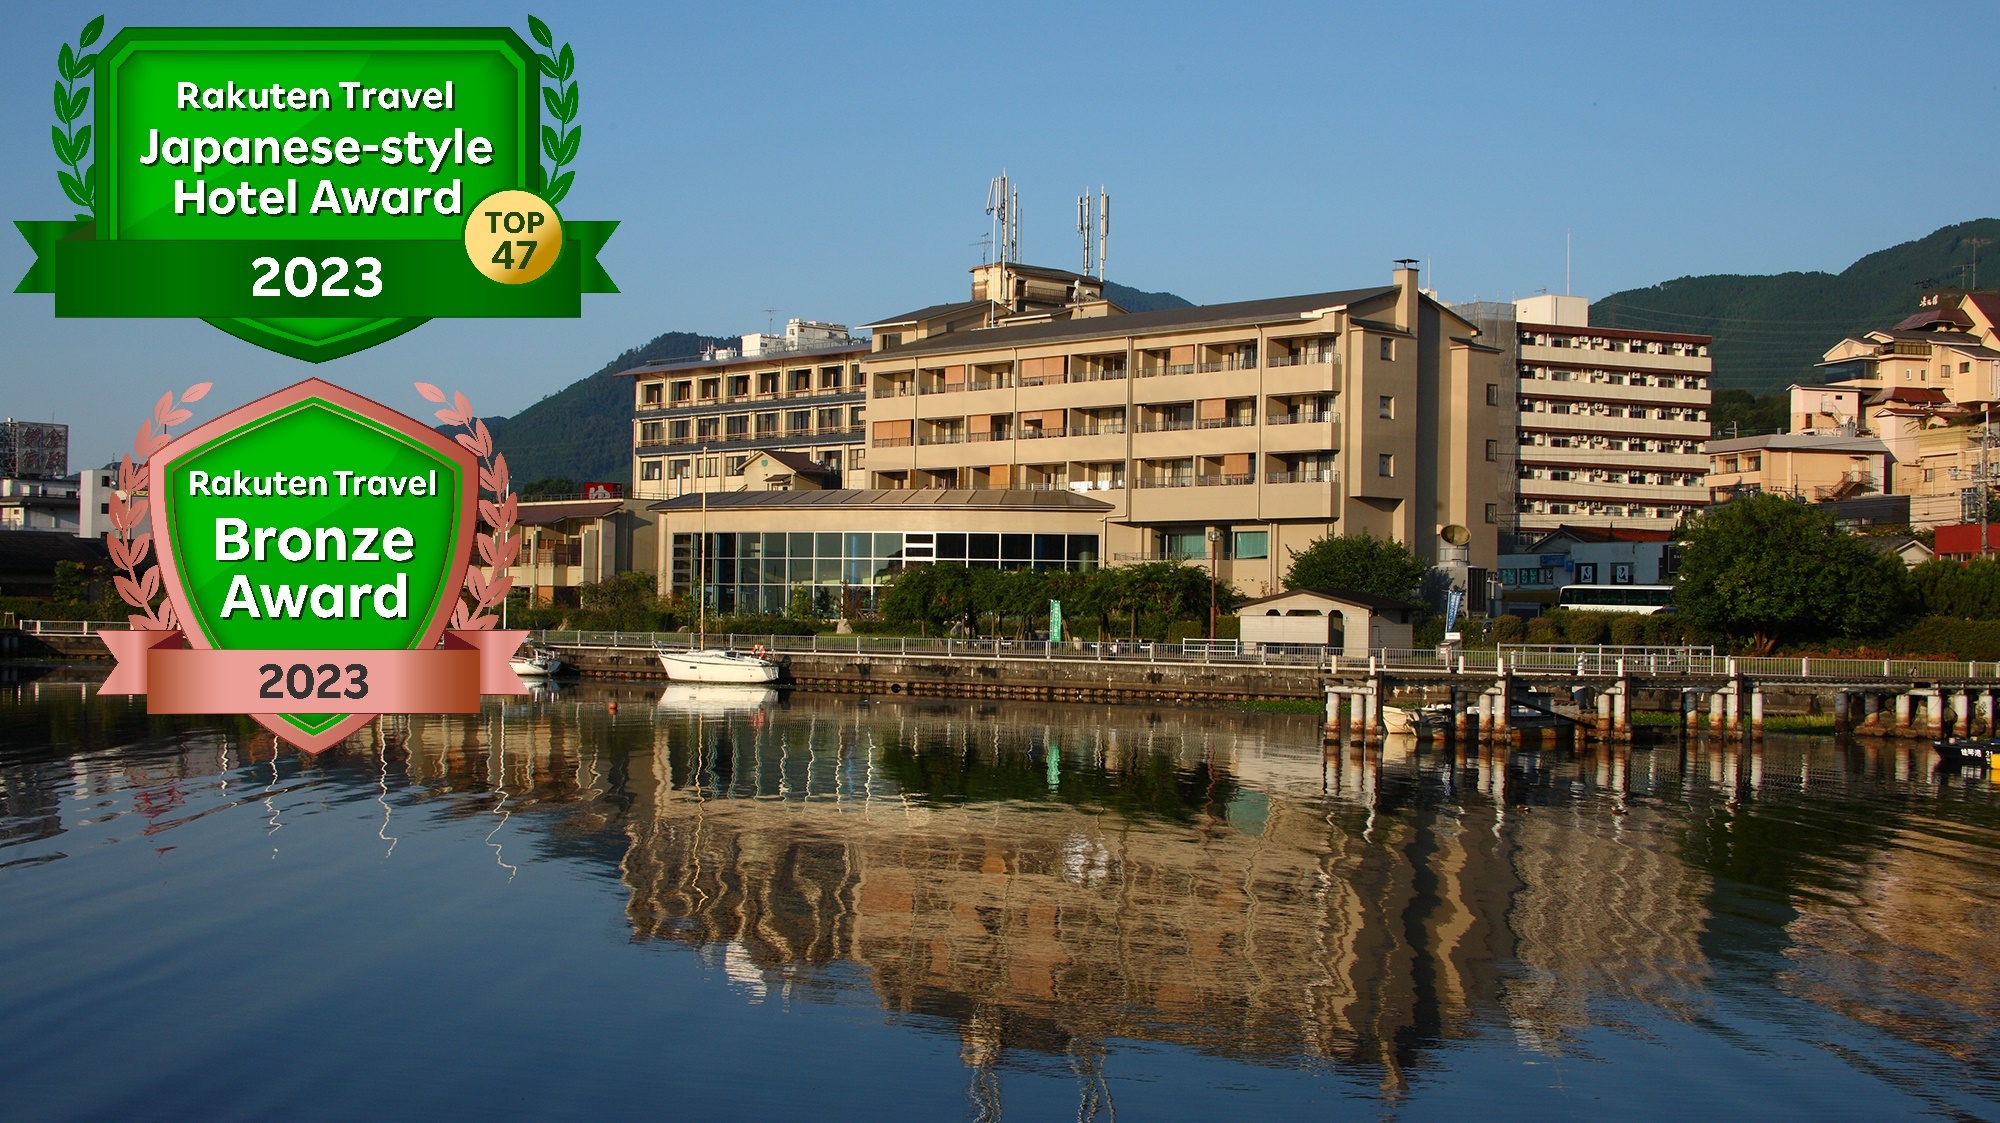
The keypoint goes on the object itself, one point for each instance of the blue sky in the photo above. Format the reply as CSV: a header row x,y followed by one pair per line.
x,y
831,162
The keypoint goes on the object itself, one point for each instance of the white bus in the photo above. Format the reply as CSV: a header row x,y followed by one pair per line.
x,y
1642,599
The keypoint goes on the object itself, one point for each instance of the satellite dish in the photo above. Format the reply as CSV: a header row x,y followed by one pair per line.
x,y
1455,534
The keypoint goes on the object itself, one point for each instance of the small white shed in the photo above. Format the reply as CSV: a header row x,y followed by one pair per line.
x,y
1355,623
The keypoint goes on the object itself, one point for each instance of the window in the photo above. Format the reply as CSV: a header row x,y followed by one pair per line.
x,y
1965,368
649,469
651,432
737,425
683,391
1387,406
677,430
1492,393
1492,450
1385,464
1492,512
1388,349
739,385
678,470
1251,544
711,388
653,393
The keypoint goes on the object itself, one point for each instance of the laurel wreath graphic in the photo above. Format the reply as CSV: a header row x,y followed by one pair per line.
x,y
500,544
131,508
559,143
72,141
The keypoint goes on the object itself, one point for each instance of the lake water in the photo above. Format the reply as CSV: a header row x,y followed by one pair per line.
x,y
681,904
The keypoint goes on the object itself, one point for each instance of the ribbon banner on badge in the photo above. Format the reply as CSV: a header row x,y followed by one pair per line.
x,y
304,560
317,191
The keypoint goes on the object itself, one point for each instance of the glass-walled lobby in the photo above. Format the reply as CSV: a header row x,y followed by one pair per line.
x,y
843,572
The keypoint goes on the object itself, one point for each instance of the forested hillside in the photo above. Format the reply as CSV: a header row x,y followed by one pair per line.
x,y
584,431
1770,330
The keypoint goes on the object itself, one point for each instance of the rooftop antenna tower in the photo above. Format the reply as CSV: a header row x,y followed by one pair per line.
x,y
998,208
1103,228
1086,225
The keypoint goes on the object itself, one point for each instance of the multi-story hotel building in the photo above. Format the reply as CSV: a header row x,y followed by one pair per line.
x,y
1038,425
697,423
1240,430
1612,421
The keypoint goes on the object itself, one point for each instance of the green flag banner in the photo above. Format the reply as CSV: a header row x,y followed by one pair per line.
x,y
317,191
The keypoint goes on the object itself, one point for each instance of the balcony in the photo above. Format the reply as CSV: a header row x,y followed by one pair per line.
x,y
1227,422
1233,363
1164,481
1102,429
1097,375
1165,426
892,442
1312,476
1038,434
1310,417
1310,359
1236,480
899,390
942,439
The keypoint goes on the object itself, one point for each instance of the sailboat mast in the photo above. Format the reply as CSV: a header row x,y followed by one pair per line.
x,y
701,579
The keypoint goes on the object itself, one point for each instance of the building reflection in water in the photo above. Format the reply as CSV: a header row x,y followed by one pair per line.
x,y
1051,878
1047,880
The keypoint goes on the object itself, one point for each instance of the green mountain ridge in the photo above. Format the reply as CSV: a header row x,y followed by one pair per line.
x,y
583,432
1769,330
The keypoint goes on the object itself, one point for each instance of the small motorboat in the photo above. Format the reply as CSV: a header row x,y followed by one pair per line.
x,y
1966,750
698,665
532,660
1415,719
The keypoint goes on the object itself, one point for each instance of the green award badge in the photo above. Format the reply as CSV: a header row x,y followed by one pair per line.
x,y
317,191
310,556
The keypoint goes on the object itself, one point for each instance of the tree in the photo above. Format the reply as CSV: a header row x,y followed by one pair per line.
x,y
1359,563
624,602
934,596
1970,590
1772,569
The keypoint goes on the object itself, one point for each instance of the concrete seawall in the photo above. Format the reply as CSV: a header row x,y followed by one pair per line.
x,y
1080,680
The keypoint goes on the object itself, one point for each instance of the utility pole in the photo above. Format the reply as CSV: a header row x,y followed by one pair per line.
x,y
1214,550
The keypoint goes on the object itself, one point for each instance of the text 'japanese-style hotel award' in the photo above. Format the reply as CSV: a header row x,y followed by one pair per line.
x,y
313,559
316,191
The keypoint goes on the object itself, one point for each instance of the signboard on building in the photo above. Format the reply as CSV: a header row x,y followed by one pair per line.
x,y
601,491
1586,573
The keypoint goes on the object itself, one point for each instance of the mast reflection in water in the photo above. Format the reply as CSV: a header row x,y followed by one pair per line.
x,y
1167,912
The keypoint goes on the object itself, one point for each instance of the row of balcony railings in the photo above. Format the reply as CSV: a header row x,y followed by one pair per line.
x,y
758,396
925,387
717,440
1556,661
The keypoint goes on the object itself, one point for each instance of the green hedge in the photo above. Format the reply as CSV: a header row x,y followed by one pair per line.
x,y
1949,636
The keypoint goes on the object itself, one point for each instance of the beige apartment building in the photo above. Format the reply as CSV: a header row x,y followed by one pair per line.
x,y
1238,431
699,424
1923,388
1811,466
1612,421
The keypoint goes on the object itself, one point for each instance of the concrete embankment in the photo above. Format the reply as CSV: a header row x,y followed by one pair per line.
x,y
1069,680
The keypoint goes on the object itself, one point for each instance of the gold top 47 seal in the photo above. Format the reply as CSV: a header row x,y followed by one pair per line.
x,y
513,236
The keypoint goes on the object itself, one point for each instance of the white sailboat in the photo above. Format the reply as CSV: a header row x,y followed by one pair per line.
x,y
696,664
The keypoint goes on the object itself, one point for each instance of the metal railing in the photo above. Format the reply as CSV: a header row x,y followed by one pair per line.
x,y
1226,422
1164,481
892,442
1230,480
1166,425
1565,662
1316,418
1307,360
1322,476
70,627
